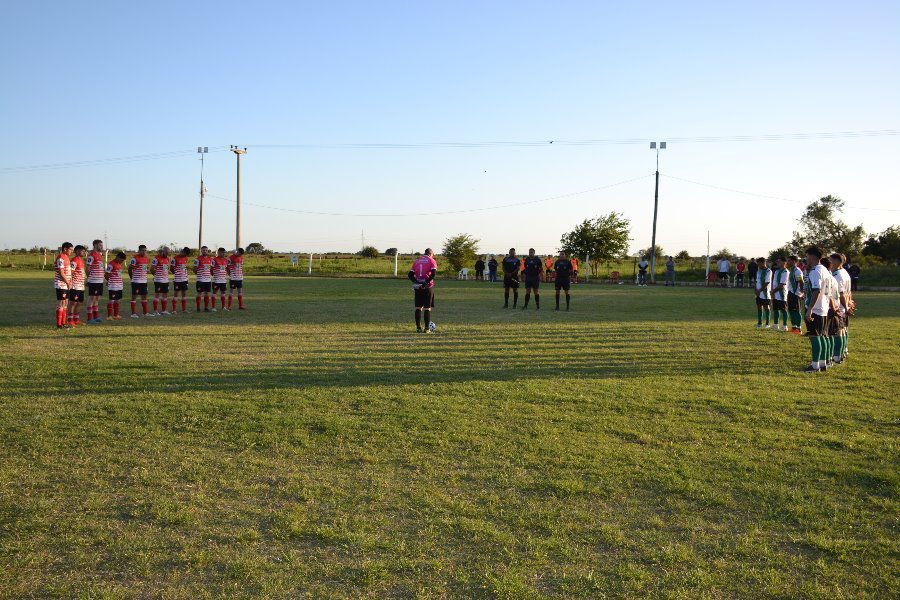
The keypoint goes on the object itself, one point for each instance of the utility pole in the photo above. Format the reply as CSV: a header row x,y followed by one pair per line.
x,y
201,150
237,232
657,147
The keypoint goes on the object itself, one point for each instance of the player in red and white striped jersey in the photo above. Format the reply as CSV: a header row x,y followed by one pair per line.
x,y
219,276
159,267
203,271
137,271
62,281
114,284
94,264
179,264
76,293
236,277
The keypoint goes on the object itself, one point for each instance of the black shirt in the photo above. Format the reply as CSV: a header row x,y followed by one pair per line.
x,y
479,265
752,268
511,265
492,264
563,268
533,266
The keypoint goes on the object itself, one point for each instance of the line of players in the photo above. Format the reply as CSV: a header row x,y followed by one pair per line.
x,y
826,296
532,268
78,270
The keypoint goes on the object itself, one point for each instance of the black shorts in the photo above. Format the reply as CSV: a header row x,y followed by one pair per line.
x,y
511,281
180,286
76,295
138,289
723,275
61,294
424,298
218,287
203,287
161,288
563,284
115,294
762,301
533,282
479,272
779,305
236,284
793,302
95,289
835,323
815,325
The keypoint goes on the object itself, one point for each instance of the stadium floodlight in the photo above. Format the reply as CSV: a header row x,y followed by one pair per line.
x,y
237,230
655,146
201,150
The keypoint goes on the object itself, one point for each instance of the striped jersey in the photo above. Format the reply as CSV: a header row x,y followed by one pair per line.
x,y
795,281
843,286
236,267
78,273
779,284
179,268
160,269
819,280
763,283
220,270
203,267
62,272
94,263
114,275
139,269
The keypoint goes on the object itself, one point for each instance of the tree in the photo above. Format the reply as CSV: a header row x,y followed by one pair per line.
x,y
604,239
784,251
724,253
820,226
257,248
390,252
369,252
660,253
885,245
460,250
683,255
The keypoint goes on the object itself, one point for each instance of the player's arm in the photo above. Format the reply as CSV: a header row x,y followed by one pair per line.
x,y
131,270
411,275
431,275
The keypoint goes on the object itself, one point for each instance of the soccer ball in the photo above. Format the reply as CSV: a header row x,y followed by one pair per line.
x,y
432,326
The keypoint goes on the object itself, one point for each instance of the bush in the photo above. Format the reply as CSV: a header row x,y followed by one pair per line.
x,y
369,252
460,250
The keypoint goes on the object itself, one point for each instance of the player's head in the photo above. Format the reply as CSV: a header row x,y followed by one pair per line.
x,y
813,255
120,256
429,252
837,260
239,251
204,250
761,261
562,253
98,245
531,252
512,252
220,252
185,251
825,262
164,250
66,248
792,260
779,261
80,250
142,250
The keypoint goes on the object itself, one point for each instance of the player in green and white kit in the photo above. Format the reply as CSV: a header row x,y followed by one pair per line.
x,y
763,291
795,293
844,307
779,294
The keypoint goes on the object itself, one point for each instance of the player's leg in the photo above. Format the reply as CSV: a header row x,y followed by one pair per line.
x,y
240,294
506,287
515,292
759,312
766,312
557,296
144,299
230,294
527,295
426,309
537,294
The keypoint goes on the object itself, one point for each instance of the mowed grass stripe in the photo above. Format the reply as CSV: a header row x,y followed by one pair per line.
x,y
648,443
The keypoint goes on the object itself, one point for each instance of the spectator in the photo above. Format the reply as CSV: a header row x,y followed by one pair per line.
x,y
740,268
642,272
752,268
479,269
574,262
723,267
492,269
853,270
670,271
548,269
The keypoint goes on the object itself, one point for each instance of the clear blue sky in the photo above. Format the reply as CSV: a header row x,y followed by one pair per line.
x,y
97,80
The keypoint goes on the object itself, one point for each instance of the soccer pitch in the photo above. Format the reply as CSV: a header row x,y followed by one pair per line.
x,y
649,442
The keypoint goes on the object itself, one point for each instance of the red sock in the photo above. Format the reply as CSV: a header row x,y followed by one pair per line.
x,y
144,306
76,318
155,304
134,307
58,323
116,308
198,302
184,304
223,301
173,304
109,309
206,302
241,300
229,301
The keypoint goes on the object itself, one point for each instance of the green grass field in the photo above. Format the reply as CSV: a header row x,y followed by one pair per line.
x,y
648,443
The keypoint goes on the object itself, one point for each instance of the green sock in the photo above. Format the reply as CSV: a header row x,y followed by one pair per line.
x,y
814,344
759,316
775,317
823,347
784,318
846,339
830,348
766,310
795,318
839,348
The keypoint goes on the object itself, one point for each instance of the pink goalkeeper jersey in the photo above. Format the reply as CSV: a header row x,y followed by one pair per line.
x,y
422,267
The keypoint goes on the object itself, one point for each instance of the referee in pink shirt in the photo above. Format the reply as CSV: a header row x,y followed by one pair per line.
x,y
422,275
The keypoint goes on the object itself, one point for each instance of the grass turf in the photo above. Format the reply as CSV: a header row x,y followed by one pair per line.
x,y
650,442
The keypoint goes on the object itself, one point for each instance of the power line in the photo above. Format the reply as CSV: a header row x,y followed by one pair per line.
x,y
438,213
101,161
766,196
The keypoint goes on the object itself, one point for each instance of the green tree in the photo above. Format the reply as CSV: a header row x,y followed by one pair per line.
x,y
660,254
604,239
885,245
821,226
390,252
724,253
683,255
460,250
369,252
257,248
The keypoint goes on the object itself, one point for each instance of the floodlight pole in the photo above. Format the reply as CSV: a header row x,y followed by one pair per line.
x,y
201,150
237,232
655,146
